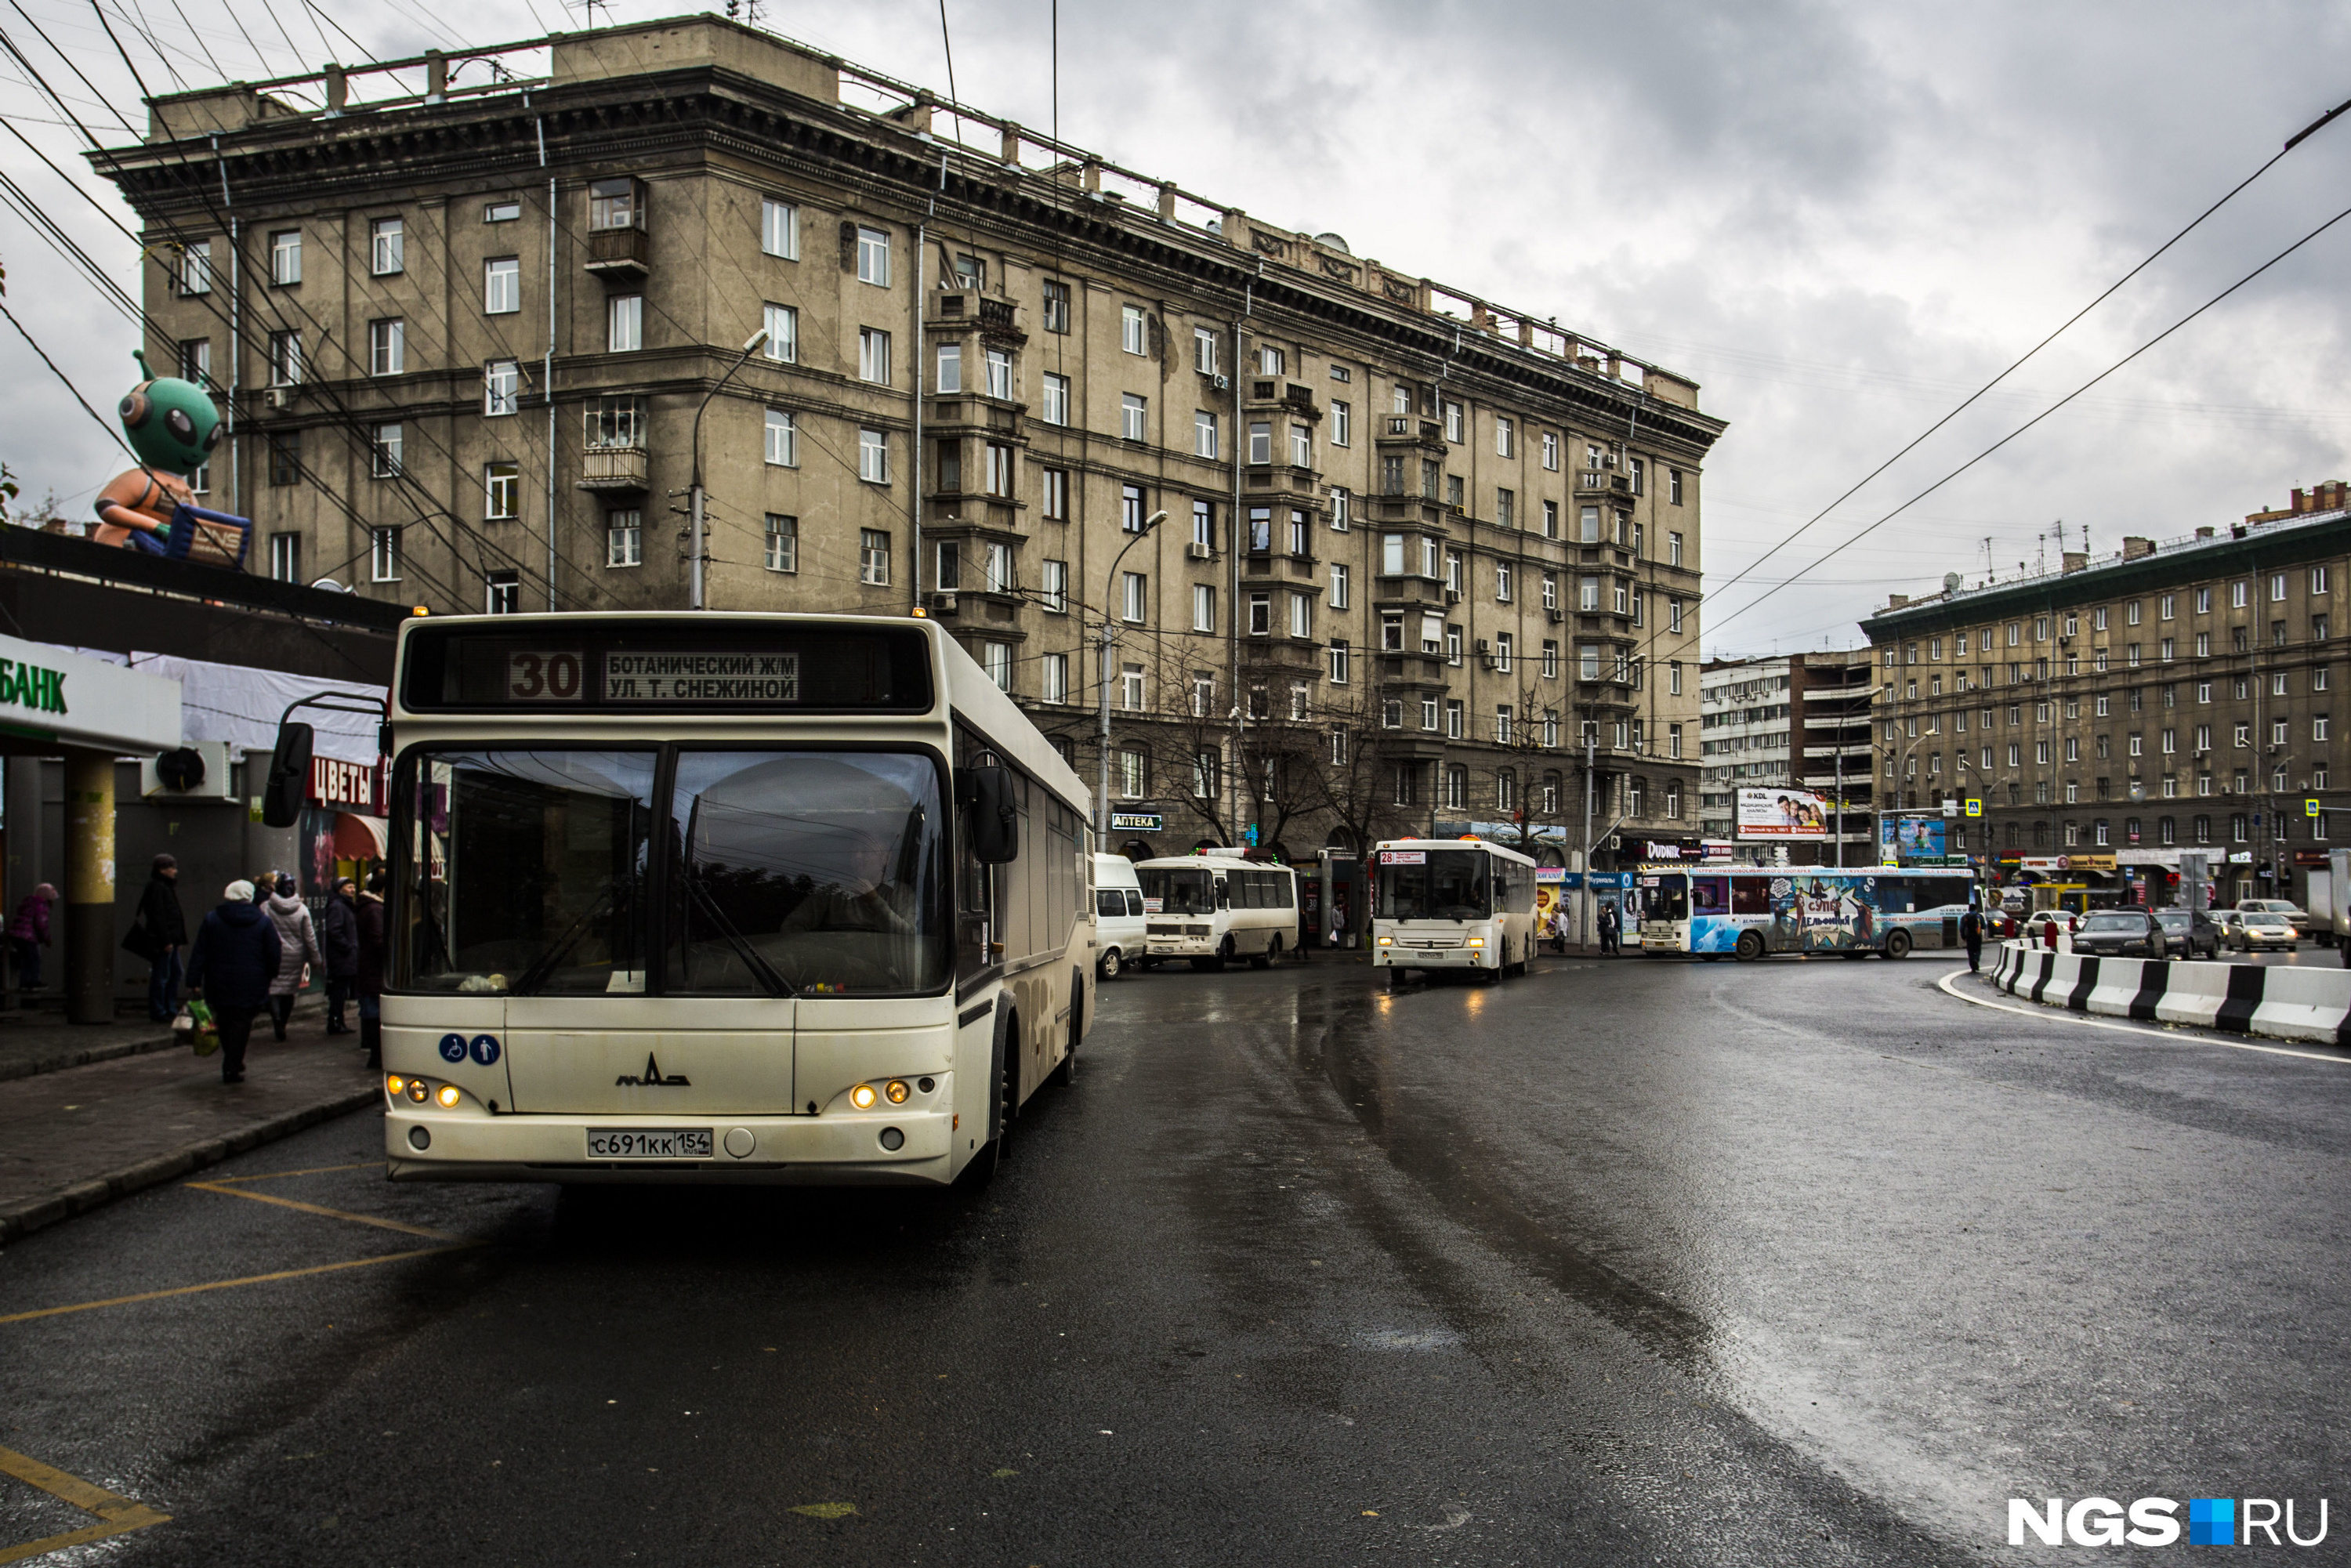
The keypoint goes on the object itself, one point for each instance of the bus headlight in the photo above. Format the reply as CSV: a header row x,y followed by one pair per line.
x,y
419,1091
863,1096
1387,941
1477,942
896,1092
449,1096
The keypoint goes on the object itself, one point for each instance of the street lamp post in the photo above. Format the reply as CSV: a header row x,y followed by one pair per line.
x,y
694,502
1102,702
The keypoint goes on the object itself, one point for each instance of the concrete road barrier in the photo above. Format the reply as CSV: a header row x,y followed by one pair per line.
x,y
2312,1005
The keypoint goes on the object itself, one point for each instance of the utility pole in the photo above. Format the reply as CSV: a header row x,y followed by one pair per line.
x,y
694,595
1591,747
1102,702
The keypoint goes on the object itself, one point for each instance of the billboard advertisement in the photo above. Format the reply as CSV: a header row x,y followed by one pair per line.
x,y
1783,815
1903,840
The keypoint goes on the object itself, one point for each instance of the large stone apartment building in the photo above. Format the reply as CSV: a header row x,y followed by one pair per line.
x,y
2112,713
1418,548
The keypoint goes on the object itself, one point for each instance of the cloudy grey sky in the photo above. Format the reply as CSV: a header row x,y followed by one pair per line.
x,y
1838,218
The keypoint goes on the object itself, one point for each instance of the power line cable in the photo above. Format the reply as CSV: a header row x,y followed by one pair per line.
x,y
1838,549
36,348
2019,362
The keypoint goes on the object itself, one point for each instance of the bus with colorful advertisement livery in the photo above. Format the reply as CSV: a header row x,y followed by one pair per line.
x,y
1452,904
728,897
1749,912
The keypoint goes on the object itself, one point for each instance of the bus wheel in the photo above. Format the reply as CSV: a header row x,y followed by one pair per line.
x,y
1226,952
1265,960
1897,944
1110,965
1750,946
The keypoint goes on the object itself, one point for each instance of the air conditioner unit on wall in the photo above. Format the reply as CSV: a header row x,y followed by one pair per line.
x,y
197,771
279,398
1197,551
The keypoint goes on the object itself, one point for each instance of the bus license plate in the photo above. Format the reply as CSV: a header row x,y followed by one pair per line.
x,y
649,1144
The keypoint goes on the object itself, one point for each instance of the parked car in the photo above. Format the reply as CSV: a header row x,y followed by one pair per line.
x,y
1119,939
2260,928
2187,932
2037,924
2297,917
2123,933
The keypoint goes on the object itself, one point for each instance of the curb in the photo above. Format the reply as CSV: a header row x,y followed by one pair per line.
x,y
84,1056
156,1169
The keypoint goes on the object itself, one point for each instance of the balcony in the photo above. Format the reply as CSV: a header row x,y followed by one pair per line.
x,y
612,469
1420,593
1414,669
620,254
1260,565
1297,657
1600,482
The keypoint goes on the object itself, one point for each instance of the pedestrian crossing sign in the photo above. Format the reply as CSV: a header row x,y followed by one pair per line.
x,y
2310,808
1975,807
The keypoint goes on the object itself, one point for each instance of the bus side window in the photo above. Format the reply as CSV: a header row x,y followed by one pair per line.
x,y
1894,896
1288,882
1706,895
1752,895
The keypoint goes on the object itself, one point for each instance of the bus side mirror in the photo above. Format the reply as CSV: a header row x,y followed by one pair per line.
x,y
288,786
995,826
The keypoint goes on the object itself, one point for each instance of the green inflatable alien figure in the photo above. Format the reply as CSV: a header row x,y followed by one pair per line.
x,y
173,428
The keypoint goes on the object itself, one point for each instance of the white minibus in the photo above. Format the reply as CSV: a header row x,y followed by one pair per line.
x,y
1215,907
1452,904
1119,940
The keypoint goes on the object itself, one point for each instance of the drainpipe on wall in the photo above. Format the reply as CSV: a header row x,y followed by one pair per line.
x,y
547,366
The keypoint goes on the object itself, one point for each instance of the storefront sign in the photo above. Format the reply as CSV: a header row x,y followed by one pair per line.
x,y
81,701
1137,822
344,786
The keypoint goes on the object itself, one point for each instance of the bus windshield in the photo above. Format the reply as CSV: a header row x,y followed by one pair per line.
x,y
787,872
1438,884
1185,891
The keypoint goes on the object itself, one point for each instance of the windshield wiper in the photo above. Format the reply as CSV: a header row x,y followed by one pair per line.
x,y
760,969
544,965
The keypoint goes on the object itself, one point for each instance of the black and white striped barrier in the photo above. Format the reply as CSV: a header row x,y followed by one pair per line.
x,y
2312,1004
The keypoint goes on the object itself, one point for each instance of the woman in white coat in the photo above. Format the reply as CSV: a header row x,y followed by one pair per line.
x,y
297,949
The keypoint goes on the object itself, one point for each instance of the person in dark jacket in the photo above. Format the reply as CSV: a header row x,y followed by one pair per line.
x,y
369,980
234,958
166,933
1972,932
1608,928
339,937
28,933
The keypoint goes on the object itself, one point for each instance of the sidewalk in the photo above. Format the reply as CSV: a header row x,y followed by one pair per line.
x,y
77,1137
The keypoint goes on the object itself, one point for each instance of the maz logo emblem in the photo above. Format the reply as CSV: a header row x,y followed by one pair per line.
x,y
652,1078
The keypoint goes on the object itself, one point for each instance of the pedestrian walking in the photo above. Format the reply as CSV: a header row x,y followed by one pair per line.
x,y
1972,932
235,956
1608,929
298,934
369,980
28,933
339,938
158,934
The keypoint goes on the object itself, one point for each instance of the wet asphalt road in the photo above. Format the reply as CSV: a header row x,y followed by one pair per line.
x,y
1636,1262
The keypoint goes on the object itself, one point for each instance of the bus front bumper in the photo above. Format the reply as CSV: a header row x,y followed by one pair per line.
x,y
1404,955
1165,945
828,1150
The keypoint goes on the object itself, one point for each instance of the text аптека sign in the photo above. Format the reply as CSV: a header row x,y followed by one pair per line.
x,y
702,677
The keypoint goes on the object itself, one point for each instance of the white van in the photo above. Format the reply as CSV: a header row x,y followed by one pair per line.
x,y
1215,908
1118,916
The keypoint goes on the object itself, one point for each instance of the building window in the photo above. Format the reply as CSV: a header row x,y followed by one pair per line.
x,y
501,592
1204,434
999,470
1342,424
286,258
1452,422
501,491
1134,416
1131,512
1131,775
383,452
1055,499
998,562
501,286
1506,508
1504,646
1134,597
387,247
196,267
873,356
1302,446
1204,351
284,359
783,439
999,374
624,323
1057,306
1204,607
1053,678
780,229
874,258
501,388
1339,583
1271,361
383,555
196,361
874,558
1132,334
1506,438
1130,687
946,566
286,457
387,346
996,658
624,537
1057,399
1260,614
1302,616
286,557
950,372
783,544
783,324
873,456
1338,660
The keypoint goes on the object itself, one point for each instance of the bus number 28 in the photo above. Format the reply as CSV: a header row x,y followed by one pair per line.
x,y
543,678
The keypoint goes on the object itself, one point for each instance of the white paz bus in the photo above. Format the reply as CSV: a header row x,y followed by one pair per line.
x,y
1452,904
1218,907
772,898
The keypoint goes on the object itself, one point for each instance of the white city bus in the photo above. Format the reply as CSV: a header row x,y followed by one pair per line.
x,y
1216,908
1452,904
738,898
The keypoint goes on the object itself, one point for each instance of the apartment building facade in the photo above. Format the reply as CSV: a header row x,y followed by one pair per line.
x,y
1369,550
1802,720
2112,713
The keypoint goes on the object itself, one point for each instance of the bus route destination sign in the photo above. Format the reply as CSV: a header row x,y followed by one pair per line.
x,y
701,677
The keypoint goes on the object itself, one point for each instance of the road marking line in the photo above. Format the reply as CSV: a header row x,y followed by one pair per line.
x,y
229,1284
121,1515
2172,1035
427,1233
311,1170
